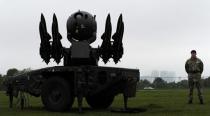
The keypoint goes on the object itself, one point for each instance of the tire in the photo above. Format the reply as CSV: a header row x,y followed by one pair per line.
x,y
56,94
99,101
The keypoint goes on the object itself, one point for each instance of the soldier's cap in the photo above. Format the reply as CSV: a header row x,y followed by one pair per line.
x,y
193,51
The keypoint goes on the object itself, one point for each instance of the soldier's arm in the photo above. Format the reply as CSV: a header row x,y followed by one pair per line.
x,y
201,66
187,67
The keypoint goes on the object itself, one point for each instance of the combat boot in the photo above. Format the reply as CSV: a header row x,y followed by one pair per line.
x,y
201,101
200,98
190,101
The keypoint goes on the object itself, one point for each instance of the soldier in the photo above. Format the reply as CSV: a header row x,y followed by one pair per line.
x,y
194,69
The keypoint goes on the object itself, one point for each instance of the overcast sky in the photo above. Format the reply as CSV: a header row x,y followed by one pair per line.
x,y
159,34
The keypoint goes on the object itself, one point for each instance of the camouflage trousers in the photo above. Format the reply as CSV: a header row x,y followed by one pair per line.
x,y
194,83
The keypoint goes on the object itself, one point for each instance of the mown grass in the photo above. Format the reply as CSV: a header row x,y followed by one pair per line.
x,y
156,103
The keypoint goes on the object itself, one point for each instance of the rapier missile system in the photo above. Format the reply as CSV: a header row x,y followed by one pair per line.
x,y
80,76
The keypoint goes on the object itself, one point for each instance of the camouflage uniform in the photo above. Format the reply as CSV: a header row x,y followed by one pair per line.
x,y
194,68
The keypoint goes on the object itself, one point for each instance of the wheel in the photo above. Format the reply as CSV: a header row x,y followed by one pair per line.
x,y
56,94
99,101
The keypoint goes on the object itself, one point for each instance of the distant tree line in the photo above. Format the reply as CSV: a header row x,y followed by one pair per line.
x,y
11,72
159,83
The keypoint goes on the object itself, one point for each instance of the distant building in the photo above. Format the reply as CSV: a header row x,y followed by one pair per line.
x,y
168,76
155,73
149,78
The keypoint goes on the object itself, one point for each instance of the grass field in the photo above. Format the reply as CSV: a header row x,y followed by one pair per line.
x,y
156,102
